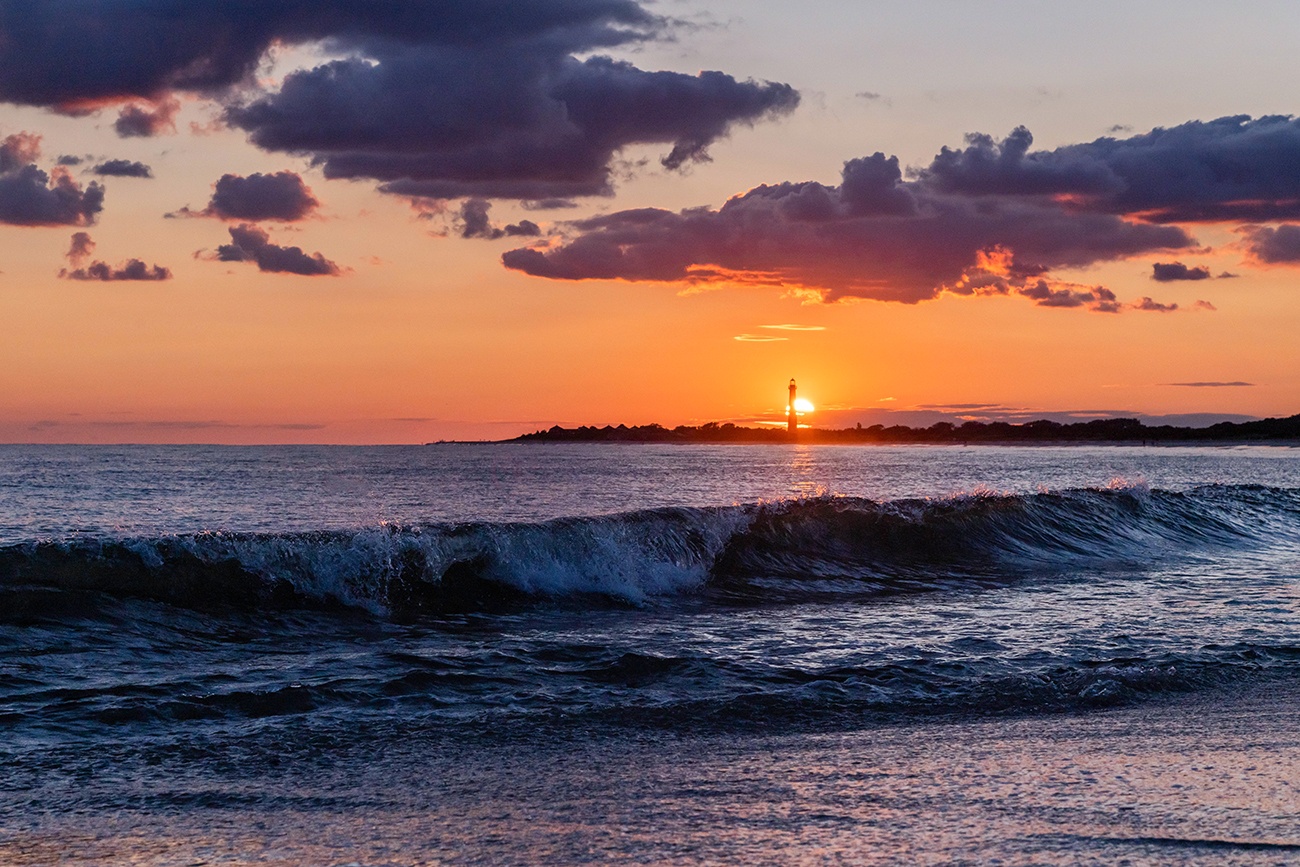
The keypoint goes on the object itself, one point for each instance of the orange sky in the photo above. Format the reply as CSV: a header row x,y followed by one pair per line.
x,y
425,336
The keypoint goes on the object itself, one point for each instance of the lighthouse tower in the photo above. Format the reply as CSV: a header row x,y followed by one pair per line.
x,y
791,417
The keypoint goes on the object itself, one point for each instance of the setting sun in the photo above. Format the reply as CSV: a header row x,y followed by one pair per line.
x,y
803,405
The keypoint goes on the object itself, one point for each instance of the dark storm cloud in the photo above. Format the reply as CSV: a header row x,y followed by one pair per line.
x,y
1168,272
281,196
873,236
1273,245
249,243
507,123
138,121
114,50
453,99
1232,168
475,223
133,269
123,169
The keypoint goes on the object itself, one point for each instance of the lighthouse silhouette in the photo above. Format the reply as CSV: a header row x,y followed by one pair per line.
x,y
791,417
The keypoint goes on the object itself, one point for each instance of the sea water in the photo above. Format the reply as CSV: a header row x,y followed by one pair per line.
x,y
584,653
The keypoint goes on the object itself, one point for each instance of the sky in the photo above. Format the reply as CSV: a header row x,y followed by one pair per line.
x,y
343,221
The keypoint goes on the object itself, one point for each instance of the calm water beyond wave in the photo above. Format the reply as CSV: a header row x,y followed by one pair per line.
x,y
524,654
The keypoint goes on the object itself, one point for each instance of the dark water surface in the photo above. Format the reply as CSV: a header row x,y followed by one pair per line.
x,y
560,653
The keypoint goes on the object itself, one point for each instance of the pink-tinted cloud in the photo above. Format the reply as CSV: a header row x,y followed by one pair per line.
x,y
81,248
143,121
993,217
1273,245
874,236
32,197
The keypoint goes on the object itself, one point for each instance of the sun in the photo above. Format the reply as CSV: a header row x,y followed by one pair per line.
x,y
803,405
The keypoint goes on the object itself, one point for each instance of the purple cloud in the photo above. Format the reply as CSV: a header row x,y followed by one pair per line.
x,y
249,243
455,99
281,196
1270,245
874,236
123,169
1167,272
139,121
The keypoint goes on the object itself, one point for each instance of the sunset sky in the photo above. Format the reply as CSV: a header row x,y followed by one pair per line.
x,y
351,221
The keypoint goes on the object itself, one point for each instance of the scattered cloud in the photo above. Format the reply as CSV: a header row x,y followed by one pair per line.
x,y
1153,306
80,249
873,97
548,204
123,169
759,338
147,120
18,150
132,269
1270,245
249,243
1167,272
279,196
475,223
792,327
32,197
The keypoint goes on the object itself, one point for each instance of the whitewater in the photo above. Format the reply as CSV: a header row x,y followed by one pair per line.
x,y
561,653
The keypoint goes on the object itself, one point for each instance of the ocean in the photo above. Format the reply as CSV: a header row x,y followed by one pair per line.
x,y
527,654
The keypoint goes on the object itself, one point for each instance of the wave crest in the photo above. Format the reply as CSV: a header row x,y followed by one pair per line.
x,y
756,553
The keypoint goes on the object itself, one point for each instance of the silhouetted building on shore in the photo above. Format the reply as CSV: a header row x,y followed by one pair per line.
x,y
791,416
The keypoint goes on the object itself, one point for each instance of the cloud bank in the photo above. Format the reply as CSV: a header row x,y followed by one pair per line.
x,y
990,218
455,99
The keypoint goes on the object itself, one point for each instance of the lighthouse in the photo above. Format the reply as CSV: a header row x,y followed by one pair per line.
x,y
791,417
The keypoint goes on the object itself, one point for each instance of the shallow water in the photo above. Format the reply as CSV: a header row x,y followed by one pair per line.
x,y
193,639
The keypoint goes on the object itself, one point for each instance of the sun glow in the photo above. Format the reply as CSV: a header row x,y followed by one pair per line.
x,y
803,405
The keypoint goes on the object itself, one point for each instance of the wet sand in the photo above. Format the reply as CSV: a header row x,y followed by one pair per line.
x,y
1197,780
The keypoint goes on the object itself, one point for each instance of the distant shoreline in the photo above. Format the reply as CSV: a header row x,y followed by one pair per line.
x,y
1120,431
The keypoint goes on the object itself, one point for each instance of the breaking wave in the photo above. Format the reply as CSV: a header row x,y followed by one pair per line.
x,y
767,552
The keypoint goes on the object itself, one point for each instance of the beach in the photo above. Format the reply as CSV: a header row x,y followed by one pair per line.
x,y
777,655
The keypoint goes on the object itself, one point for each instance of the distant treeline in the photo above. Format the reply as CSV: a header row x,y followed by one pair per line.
x,y
1099,430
